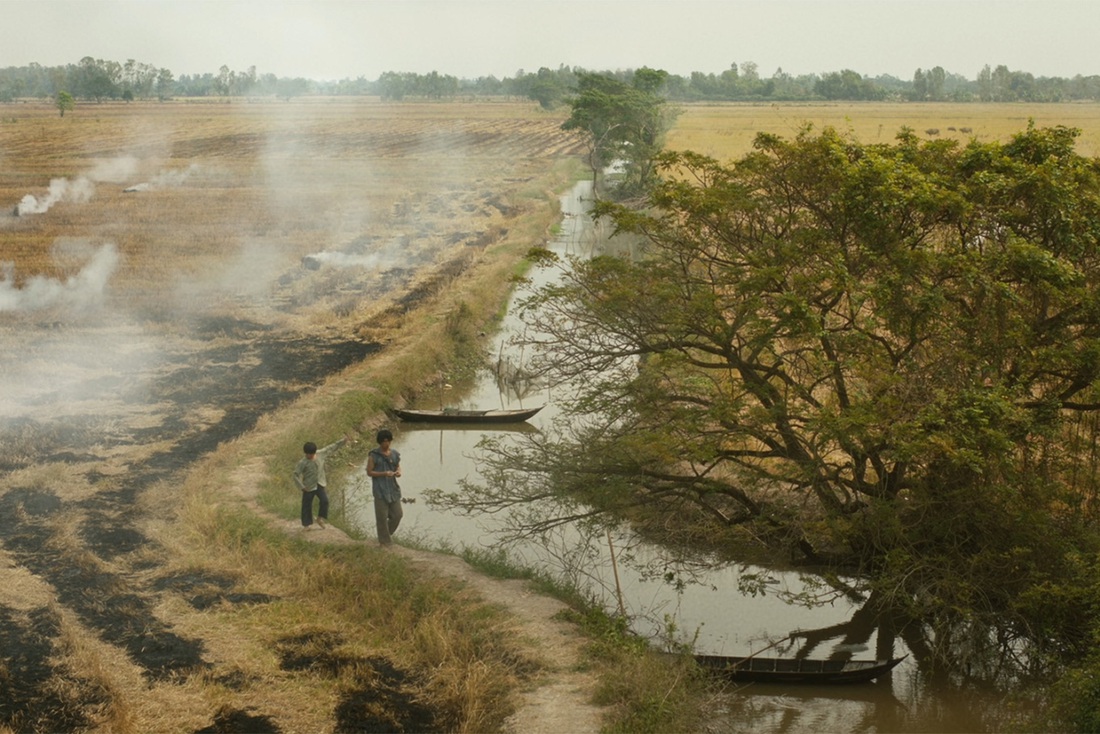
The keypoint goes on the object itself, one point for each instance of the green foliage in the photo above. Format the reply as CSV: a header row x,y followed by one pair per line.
x,y
625,122
874,353
64,102
1075,704
847,84
547,89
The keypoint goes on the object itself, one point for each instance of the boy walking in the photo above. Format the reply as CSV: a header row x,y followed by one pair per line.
x,y
309,477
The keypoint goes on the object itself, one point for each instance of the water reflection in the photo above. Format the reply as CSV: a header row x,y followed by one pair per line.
x,y
676,599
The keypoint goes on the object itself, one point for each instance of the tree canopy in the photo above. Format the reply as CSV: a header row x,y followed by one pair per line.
x,y
64,102
623,122
880,355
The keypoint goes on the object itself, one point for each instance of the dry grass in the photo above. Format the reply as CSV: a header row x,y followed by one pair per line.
x,y
727,131
120,516
246,190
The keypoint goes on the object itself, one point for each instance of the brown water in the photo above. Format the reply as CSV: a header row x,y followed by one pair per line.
x,y
707,608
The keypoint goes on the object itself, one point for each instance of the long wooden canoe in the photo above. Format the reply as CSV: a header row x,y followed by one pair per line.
x,y
794,670
452,415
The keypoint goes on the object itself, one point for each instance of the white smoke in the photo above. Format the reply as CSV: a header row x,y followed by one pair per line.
x,y
83,291
169,178
250,275
77,190
341,260
61,189
114,170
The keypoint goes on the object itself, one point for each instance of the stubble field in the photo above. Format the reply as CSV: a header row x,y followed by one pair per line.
x,y
173,275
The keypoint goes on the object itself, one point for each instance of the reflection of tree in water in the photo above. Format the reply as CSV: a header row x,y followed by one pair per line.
x,y
962,680
966,656
513,380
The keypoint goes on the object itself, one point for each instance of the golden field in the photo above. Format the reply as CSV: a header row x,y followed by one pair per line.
x,y
727,131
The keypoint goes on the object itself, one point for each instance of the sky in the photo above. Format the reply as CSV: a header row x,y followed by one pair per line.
x,y
328,40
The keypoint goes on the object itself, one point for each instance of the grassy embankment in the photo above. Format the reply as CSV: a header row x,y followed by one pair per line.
x,y
372,596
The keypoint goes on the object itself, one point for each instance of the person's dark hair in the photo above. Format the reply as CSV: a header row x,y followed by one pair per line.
x,y
309,447
384,435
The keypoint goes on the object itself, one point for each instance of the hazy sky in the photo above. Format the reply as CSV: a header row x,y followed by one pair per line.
x,y
337,39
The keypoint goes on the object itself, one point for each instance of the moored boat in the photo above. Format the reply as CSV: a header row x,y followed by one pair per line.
x,y
454,415
796,670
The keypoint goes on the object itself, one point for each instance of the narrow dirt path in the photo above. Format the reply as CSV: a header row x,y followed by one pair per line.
x,y
558,700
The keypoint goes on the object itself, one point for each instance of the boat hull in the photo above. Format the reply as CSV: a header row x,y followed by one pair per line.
x,y
793,670
466,416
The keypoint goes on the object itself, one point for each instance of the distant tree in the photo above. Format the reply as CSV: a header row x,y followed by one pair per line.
x,y
730,81
547,89
488,85
920,86
392,86
224,80
437,86
165,84
64,102
985,84
96,79
937,77
289,88
846,84
1001,82
245,82
622,121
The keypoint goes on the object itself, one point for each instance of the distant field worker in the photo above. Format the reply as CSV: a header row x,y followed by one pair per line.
x,y
384,467
309,477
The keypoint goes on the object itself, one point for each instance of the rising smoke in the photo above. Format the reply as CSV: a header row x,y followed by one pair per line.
x,y
83,291
78,190
61,189
165,179
82,188
315,260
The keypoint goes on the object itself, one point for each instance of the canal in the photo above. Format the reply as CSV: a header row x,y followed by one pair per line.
x,y
668,598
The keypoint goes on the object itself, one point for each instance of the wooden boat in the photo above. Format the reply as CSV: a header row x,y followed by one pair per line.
x,y
454,415
794,670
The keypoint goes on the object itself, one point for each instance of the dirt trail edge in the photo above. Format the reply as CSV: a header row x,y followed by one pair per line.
x,y
557,701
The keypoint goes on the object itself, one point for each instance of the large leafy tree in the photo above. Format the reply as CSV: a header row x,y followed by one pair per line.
x,y
623,122
882,354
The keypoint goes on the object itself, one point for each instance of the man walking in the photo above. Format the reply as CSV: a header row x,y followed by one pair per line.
x,y
384,468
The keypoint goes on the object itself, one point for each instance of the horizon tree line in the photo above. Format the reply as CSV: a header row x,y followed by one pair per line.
x,y
98,79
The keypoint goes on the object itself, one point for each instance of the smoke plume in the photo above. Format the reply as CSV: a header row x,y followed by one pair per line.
x,y
61,189
313,261
77,190
165,179
83,291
